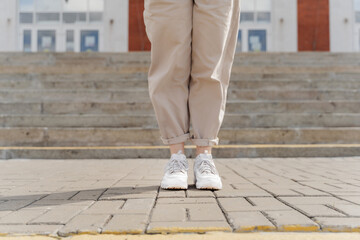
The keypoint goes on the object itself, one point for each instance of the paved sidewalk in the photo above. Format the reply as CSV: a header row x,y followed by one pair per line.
x,y
65,197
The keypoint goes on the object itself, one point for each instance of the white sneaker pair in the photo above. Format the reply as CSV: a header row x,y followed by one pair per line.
x,y
205,173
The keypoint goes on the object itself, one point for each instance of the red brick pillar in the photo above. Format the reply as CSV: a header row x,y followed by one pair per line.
x,y
313,25
138,40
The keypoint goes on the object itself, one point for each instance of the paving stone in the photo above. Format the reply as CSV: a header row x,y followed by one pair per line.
x,y
250,221
58,215
350,209
339,223
291,220
126,224
60,196
30,229
12,205
318,210
138,206
105,207
58,202
127,196
241,204
199,193
88,195
242,193
310,192
178,227
205,212
84,223
169,212
312,200
185,200
22,216
171,193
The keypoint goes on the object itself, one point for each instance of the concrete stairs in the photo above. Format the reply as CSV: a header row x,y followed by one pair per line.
x,y
96,105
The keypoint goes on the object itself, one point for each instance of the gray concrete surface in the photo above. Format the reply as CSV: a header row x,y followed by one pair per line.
x,y
66,197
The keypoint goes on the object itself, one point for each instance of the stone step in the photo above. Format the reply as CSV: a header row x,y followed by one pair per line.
x,y
143,58
65,76
45,136
149,120
240,107
223,151
141,95
276,85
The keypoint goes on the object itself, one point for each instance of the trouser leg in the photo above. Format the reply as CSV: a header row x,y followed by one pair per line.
x,y
168,24
215,32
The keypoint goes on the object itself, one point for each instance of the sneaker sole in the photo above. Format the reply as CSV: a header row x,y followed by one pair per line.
x,y
208,185
174,185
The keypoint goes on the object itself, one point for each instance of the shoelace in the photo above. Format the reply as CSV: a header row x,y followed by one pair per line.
x,y
206,164
177,164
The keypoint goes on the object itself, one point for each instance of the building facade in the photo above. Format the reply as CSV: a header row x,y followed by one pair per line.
x,y
117,25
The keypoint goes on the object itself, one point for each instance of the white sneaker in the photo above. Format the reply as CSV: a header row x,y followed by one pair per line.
x,y
175,176
205,173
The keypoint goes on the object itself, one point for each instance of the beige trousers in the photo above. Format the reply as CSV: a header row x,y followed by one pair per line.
x,y
193,44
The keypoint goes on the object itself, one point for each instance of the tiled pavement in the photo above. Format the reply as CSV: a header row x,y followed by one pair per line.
x,y
64,197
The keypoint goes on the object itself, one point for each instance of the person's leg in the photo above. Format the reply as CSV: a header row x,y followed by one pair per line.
x,y
201,149
215,31
168,24
174,148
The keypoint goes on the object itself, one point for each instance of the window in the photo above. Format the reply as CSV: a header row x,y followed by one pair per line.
x,y
357,10
255,11
27,41
52,11
70,41
257,40
89,41
47,17
239,42
46,41
26,17
26,5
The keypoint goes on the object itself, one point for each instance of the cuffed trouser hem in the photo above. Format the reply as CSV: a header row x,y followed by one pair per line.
x,y
177,139
204,142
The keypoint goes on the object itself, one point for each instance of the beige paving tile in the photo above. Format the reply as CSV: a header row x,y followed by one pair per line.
x,y
250,221
126,224
339,223
178,227
291,220
84,223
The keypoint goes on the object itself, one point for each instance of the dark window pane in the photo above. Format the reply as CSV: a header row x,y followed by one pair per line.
x,y
246,17
73,17
27,41
239,42
263,17
26,5
257,40
70,40
82,17
46,41
48,17
357,17
26,18
95,17
69,17
89,41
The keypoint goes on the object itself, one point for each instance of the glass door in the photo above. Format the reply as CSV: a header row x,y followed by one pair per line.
x,y
89,41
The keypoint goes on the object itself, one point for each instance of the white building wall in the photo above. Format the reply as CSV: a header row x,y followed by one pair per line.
x,y
8,26
113,37
284,26
342,30
116,39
